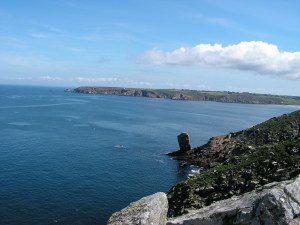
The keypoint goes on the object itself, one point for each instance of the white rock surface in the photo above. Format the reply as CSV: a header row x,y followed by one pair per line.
x,y
277,203
150,210
273,204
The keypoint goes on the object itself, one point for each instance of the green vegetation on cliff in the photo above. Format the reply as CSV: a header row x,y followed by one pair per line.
x,y
239,162
193,95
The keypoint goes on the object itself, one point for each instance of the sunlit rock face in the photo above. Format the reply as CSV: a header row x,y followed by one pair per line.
x,y
150,210
277,203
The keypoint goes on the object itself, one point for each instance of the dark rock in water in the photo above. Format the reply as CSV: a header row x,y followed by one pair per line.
x,y
184,142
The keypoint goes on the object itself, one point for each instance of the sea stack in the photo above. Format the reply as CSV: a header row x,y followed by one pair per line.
x,y
184,142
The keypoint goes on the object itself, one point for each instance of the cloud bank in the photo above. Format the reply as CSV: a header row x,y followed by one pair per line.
x,y
83,80
91,80
255,56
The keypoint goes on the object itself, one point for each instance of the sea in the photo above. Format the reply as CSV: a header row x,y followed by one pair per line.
x,y
68,158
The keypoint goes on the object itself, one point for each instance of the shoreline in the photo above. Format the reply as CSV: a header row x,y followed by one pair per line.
x,y
234,165
192,95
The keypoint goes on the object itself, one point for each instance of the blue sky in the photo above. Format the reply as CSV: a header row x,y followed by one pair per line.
x,y
157,44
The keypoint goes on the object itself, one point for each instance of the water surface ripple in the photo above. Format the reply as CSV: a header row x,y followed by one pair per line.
x,y
75,159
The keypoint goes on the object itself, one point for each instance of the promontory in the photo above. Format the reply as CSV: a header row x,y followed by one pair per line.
x,y
193,95
249,177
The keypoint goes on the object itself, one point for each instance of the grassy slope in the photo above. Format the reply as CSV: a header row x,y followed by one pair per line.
x,y
265,153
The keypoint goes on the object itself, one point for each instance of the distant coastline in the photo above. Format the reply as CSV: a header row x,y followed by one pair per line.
x,y
193,95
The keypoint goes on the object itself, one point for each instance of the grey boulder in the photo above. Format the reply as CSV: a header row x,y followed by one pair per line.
x,y
150,210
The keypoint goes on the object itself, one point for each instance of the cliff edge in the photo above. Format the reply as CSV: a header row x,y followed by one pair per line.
x,y
239,162
249,177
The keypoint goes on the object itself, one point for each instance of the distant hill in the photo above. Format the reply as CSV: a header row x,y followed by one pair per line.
x,y
193,95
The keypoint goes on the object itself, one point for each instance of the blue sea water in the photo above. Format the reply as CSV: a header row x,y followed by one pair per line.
x,y
67,158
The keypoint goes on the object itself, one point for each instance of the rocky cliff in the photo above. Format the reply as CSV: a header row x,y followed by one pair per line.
x,y
239,162
276,203
237,183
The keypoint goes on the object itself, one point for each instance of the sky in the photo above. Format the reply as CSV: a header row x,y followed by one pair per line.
x,y
226,45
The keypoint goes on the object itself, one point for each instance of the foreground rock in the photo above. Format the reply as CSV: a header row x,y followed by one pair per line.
x,y
277,203
273,204
150,210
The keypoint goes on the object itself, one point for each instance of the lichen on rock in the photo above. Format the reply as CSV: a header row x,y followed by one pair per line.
x,y
150,210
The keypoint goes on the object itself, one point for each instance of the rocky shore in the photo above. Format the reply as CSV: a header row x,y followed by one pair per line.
x,y
249,177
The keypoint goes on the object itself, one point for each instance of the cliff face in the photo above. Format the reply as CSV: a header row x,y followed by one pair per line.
x,y
277,203
239,162
193,95
250,177
246,142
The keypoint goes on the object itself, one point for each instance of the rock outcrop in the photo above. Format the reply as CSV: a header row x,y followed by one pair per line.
x,y
184,142
150,210
276,203
250,177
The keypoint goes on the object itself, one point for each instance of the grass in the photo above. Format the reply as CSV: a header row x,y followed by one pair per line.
x,y
274,155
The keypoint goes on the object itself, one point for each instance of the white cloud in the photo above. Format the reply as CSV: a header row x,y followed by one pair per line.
x,y
256,56
83,80
22,78
95,79
50,78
